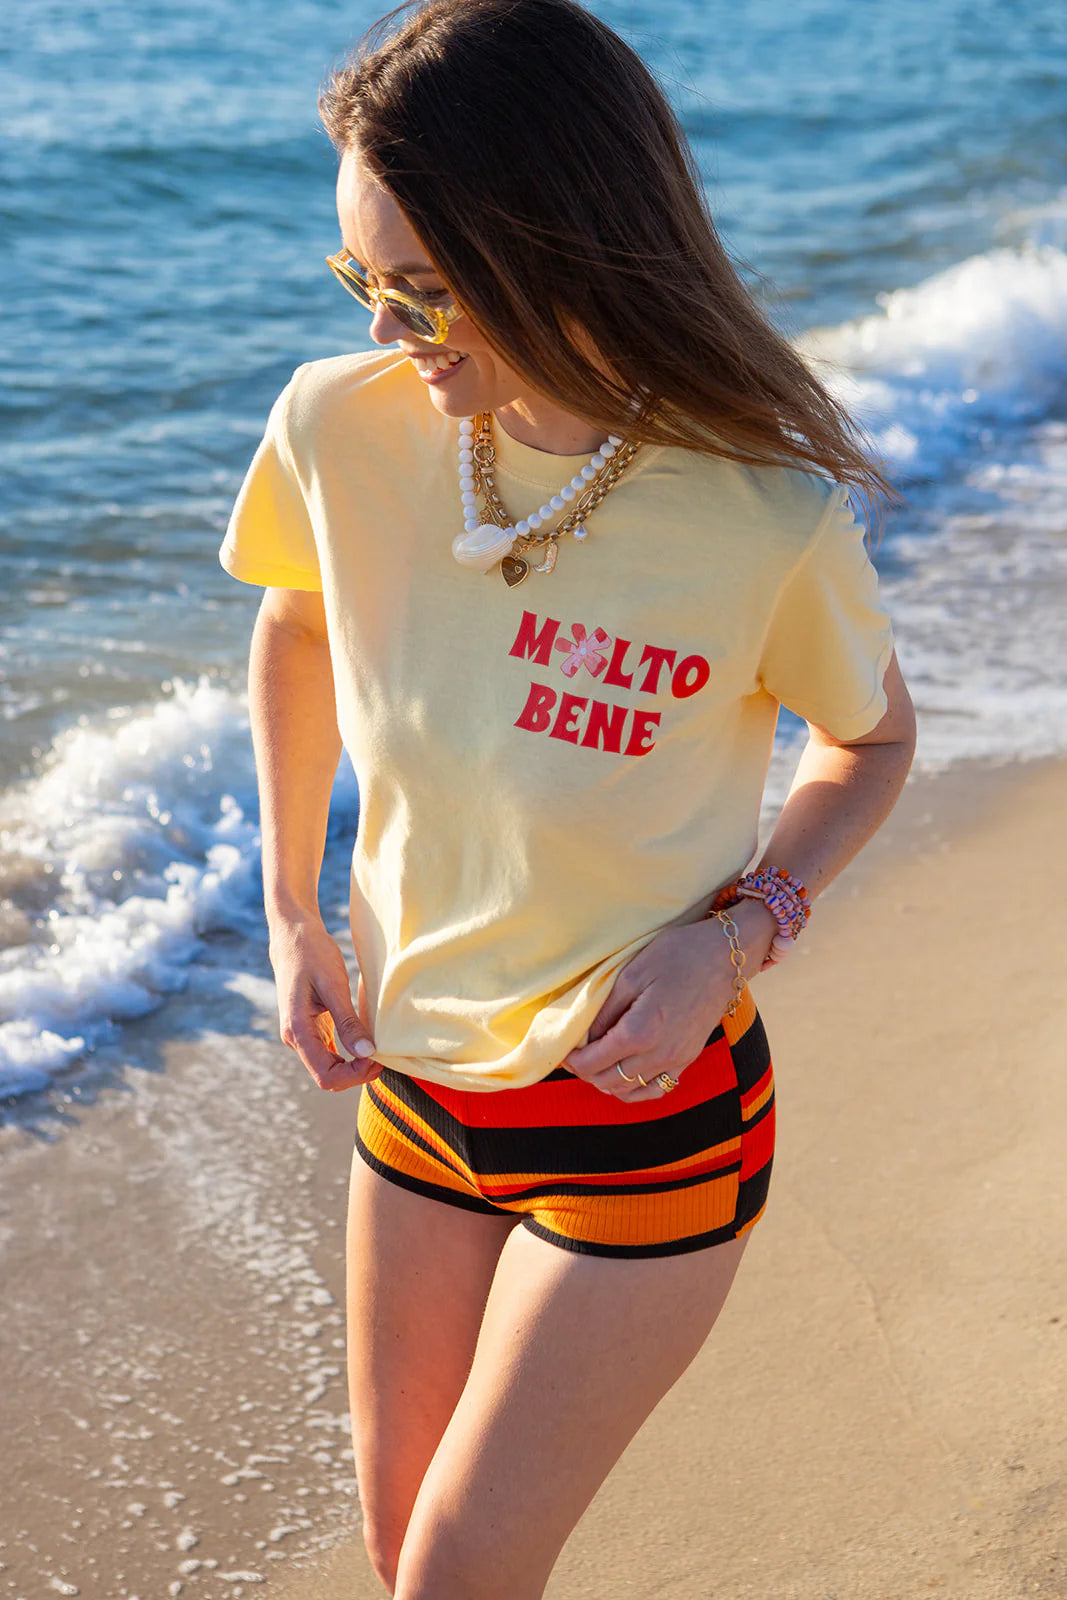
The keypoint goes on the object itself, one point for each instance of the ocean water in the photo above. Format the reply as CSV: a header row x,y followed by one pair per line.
x,y
892,176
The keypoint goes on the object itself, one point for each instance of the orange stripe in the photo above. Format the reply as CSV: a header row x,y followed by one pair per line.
x,y
757,1096
707,1161
414,1163
639,1219
415,1123
742,1019
388,1142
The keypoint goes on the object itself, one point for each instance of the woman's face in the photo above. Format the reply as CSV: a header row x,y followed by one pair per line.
x,y
376,232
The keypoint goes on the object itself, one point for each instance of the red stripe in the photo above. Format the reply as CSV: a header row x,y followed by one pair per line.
x,y
757,1145
577,1104
757,1089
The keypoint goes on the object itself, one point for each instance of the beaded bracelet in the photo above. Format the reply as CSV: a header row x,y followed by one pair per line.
x,y
784,896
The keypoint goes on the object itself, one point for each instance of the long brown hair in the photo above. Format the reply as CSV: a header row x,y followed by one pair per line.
x,y
552,186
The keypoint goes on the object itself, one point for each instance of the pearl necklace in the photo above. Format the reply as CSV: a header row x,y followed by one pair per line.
x,y
484,544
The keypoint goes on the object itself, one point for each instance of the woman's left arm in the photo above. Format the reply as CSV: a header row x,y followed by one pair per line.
x,y
666,1001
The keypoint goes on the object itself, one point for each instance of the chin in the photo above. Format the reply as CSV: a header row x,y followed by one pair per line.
x,y
459,399
451,404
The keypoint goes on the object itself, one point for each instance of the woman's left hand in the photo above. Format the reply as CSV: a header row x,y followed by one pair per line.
x,y
665,1003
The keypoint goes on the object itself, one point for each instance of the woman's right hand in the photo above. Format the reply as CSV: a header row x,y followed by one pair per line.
x,y
315,1006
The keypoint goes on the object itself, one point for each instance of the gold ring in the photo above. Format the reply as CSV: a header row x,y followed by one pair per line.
x,y
622,1074
642,1081
666,1082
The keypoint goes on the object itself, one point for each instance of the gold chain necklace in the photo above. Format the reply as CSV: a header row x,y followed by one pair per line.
x,y
513,566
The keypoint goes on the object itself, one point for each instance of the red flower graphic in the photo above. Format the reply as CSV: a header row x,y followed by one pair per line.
x,y
585,649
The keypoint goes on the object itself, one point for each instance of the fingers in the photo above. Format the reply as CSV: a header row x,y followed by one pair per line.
x,y
317,1018
313,1043
634,1033
312,1029
332,990
617,1002
626,1060
632,1080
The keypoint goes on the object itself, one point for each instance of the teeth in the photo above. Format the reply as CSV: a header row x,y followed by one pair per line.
x,y
438,363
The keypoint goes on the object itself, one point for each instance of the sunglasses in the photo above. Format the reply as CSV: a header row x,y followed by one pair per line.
x,y
425,321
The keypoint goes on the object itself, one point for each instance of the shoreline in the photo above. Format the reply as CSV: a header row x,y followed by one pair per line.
x,y
856,1424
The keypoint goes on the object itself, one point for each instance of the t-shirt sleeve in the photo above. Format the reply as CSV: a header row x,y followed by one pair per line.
x,y
830,638
270,538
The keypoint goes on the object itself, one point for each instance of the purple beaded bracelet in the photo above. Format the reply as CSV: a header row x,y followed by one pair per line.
x,y
784,896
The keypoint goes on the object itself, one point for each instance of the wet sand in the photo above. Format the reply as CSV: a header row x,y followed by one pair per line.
x,y
877,1416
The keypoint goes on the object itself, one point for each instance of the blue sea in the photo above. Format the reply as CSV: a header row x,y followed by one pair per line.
x,y
892,177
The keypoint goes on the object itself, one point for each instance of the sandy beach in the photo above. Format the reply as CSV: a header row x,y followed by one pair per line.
x,y
878,1415
881,1413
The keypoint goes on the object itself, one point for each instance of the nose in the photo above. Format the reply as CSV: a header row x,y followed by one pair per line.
x,y
384,327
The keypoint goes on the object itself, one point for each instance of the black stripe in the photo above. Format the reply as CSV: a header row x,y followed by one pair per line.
x,y
763,1111
752,1193
416,1139
587,1147
432,1191
597,1192
751,1055
631,1252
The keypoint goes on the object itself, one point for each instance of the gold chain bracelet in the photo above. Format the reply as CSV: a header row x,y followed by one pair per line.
x,y
737,958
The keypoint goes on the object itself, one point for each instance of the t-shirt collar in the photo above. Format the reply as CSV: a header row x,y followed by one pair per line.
x,y
541,468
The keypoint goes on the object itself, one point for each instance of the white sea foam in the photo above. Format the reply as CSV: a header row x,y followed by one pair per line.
x,y
138,838
1037,224
959,383
976,585
977,346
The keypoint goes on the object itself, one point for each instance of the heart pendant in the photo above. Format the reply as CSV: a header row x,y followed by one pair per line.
x,y
513,569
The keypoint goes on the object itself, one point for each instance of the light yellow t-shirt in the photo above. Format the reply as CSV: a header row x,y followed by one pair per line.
x,y
551,774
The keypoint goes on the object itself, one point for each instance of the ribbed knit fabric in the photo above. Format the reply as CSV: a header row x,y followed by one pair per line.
x,y
587,1171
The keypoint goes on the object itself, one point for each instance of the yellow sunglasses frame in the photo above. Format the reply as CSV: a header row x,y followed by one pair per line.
x,y
442,317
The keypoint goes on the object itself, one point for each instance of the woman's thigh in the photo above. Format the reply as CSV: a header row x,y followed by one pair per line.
x,y
419,1273
573,1354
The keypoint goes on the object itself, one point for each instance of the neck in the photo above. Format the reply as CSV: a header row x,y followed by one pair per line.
x,y
544,426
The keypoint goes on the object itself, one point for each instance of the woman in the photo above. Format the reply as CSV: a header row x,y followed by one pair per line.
x,y
546,564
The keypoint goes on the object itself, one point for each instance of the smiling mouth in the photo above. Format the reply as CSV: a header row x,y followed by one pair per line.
x,y
427,365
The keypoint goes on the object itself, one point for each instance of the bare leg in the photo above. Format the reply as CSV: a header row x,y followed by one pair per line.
x,y
419,1273
574,1353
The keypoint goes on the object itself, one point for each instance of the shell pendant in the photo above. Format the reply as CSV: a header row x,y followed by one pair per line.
x,y
483,547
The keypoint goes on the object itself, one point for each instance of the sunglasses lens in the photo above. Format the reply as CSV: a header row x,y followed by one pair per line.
x,y
352,282
416,321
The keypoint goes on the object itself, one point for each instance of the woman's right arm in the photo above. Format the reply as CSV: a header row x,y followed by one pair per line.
x,y
297,747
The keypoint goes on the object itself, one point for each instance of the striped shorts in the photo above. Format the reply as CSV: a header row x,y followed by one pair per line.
x,y
583,1169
